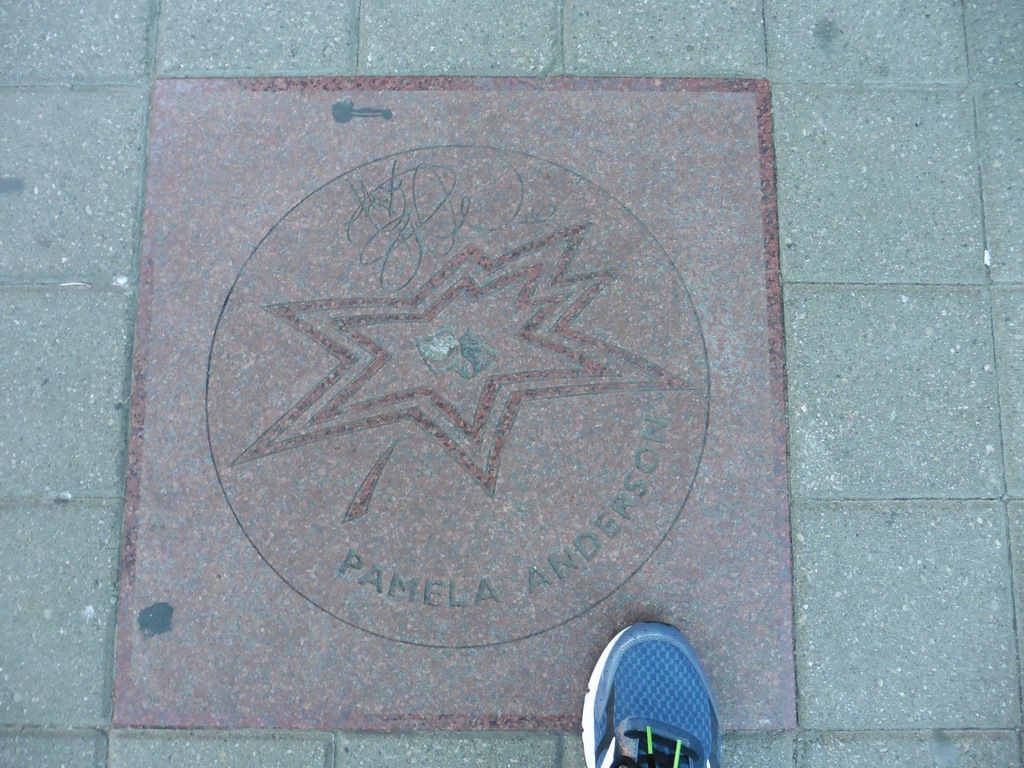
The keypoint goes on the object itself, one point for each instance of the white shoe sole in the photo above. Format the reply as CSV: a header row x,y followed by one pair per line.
x,y
589,742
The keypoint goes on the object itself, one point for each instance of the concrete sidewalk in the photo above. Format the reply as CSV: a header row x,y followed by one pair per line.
x,y
899,134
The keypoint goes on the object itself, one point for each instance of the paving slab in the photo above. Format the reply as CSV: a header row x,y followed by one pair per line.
x,y
878,185
664,38
572,750
1008,315
517,37
904,616
892,393
65,42
906,41
63,391
231,37
75,749
1000,121
58,567
70,181
923,749
227,749
465,376
765,750
995,40
524,750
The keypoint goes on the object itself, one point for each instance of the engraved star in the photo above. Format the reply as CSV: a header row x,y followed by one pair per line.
x,y
547,355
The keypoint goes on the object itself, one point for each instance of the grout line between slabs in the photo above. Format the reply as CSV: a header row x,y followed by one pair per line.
x,y
990,288
358,31
966,45
764,41
861,500
91,281
825,285
78,84
885,85
923,730
1013,608
127,385
560,38
153,40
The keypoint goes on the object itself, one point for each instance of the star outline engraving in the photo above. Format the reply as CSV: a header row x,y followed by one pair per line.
x,y
343,326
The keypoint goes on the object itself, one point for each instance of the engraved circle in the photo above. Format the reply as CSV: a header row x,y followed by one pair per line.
x,y
457,396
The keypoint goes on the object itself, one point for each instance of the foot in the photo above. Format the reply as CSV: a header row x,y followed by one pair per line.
x,y
649,704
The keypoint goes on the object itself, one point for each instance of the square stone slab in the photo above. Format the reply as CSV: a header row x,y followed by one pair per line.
x,y
441,382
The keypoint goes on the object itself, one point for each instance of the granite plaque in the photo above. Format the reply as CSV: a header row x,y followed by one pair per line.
x,y
439,383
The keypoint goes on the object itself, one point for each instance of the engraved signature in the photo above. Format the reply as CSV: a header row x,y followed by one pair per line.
x,y
420,209
397,221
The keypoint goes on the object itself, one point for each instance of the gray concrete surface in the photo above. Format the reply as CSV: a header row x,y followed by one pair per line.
x,y
205,749
995,40
892,393
73,749
927,749
223,38
58,571
1000,115
493,750
877,185
65,42
908,603
900,152
905,41
699,38
1009,328
516,37
74,160
63,389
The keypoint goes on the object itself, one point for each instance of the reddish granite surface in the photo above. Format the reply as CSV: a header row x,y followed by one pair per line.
x,y
439,382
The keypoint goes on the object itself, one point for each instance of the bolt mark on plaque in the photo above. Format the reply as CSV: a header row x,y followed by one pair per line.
x,y
360,503
587,364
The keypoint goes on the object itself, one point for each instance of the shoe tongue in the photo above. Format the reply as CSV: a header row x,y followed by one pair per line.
x,y
631,735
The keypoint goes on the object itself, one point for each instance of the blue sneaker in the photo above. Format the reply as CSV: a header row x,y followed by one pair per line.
x,y
649,705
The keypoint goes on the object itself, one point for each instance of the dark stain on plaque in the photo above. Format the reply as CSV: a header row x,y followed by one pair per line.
x,y
156,619
345,111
